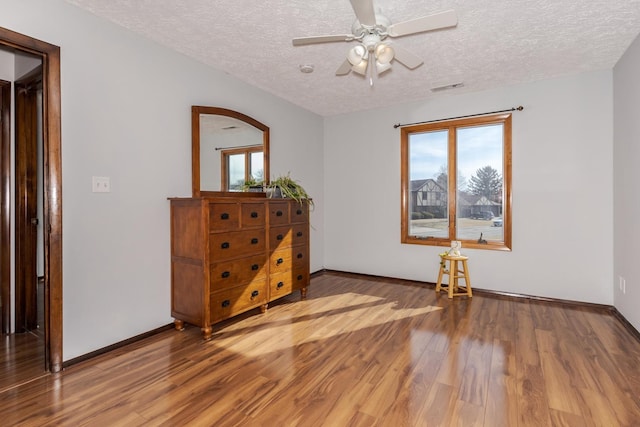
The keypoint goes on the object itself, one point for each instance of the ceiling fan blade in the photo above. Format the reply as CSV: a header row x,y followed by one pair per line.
x,y
364,12
406,58
344,69
436,21
301,41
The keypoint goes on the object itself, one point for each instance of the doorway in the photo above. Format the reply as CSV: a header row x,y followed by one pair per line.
x,y
51,198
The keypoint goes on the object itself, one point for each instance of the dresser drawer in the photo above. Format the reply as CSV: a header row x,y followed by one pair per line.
x,y
300,234
224,216
239,272
300,213
278,213
300,278
236,300
236,244
299,257
288,235
280,261
253,215
280,285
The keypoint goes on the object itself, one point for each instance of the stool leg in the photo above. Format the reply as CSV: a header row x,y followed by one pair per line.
x,y
467,281
453,280
439,282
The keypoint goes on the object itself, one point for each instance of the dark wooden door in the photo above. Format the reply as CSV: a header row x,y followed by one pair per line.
x,y
27,136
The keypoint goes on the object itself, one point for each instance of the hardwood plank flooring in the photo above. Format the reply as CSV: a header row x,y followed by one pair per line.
x,y
22,356
360,351
21,359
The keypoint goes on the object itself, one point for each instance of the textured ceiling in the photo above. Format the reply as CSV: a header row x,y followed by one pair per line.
x,y
496,43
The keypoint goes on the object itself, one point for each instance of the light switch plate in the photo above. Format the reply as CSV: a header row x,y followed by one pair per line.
x,y
101,184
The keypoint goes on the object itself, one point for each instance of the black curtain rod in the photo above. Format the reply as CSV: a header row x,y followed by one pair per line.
x,y
237,146
520,108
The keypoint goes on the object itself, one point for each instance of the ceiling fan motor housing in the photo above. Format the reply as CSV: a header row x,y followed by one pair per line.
x,y
382,23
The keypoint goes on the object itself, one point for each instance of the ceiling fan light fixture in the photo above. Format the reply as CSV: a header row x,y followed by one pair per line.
x,y
357,54
384,53
361,67
381,67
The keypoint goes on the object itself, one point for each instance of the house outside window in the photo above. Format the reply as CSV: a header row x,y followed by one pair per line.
x,y
456,182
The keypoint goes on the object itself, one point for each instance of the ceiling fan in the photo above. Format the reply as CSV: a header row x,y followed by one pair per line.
x,y
373,55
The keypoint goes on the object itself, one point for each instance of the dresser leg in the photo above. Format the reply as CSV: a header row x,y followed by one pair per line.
x,y
303,293
178,324
263,308
207,331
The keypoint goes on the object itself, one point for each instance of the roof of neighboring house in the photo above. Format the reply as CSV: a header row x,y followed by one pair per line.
x,y
418,184
473,199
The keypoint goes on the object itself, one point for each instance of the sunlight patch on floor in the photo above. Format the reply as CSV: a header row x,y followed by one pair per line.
x,y
321,318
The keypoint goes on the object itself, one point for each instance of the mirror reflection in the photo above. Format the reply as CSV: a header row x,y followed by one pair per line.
x,y
229,149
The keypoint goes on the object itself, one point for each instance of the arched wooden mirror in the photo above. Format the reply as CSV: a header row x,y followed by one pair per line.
x,y
228,148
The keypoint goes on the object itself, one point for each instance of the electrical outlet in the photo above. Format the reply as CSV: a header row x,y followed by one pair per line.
x,y
101,184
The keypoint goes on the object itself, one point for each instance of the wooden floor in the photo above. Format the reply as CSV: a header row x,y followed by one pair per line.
x,y
21,359
22,356
358,352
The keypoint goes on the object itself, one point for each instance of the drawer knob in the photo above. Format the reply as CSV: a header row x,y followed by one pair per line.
x,y
279,285
279,261
254,241
299,276
299,212
226,303
279,237
254,267
225,274
224,216
299,234
254,214
278,213
225,245
254,294
300,255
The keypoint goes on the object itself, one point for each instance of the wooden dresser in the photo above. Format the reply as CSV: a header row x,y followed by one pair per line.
x,y
233,254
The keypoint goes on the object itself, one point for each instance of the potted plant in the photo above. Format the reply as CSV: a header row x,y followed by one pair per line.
x,y
287,187
253,185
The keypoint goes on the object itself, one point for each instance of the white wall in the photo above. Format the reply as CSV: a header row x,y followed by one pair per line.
x,y
7,60
562,185
626,149
24,63
126,114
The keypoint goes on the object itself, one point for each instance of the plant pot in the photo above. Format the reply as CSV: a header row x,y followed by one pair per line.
x,y
274,193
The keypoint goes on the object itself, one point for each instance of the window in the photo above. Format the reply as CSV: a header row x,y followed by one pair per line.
x,y
456,182
240,165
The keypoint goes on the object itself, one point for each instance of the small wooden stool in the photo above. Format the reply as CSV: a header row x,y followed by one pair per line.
x,y
457,270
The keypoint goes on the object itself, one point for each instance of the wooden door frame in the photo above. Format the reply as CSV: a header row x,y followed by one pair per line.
x,y
52,182
5,207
